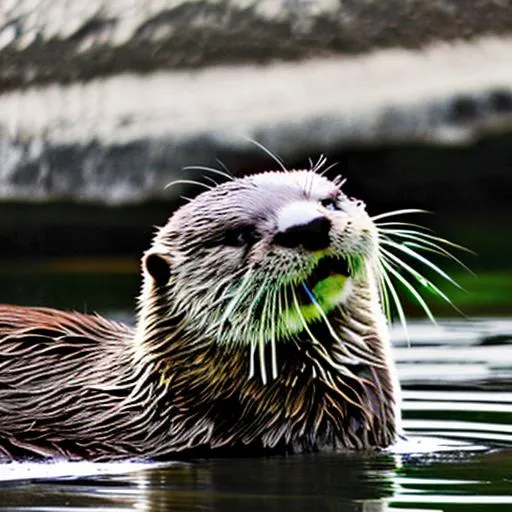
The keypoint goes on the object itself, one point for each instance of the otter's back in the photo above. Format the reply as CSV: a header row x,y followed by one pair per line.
x,y
60,373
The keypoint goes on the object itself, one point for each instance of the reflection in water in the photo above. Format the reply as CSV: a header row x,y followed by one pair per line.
x,y
352,483
316,483
343,482
457,408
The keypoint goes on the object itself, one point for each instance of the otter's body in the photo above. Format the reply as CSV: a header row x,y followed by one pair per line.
x,y
259,329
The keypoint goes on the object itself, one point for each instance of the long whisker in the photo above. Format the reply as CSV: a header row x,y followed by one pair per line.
x,y
252,352
239,294
395,224
426,241
339,180
254,343
261,343
256,298
273,350
226,293
326,320
319,347
413,254
410,287
419,277
269,153
208,169
211,180
410,233
267,328
225,167
384,296
395,296
309,180
322,160
425,245
328,168
303,320
187,182
397,212
361,349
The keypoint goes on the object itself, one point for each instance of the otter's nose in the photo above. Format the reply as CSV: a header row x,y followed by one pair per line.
x,y
302,224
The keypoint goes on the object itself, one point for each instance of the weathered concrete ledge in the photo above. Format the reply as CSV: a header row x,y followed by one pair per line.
x,y
120,139
70,40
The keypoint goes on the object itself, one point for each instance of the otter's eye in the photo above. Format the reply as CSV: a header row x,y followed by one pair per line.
x,y
330,203
239,237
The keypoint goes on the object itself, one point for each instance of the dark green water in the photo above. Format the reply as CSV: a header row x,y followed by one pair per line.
x,y
457,455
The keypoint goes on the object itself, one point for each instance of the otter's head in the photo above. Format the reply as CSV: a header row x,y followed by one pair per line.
x,y
258,259
261,260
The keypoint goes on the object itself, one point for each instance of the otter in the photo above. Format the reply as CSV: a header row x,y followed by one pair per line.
x,y
260,329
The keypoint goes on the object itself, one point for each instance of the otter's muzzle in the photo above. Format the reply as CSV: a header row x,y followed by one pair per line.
x,y
302,224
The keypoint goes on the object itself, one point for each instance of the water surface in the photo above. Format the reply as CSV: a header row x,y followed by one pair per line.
x,y
456,456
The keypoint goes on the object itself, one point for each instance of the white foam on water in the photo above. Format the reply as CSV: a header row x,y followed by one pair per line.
x,y
13,471
417,445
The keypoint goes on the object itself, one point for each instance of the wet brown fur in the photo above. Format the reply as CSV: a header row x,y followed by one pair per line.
x,y
77,386
70,389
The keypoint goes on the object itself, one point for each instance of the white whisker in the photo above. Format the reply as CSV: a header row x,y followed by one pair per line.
x,y
413,254
339,181
273,349
426,283
384,297
320,348
413,290
409,233
187,182
425,244
360,348
328,168
252,352
269,153
261,343
397,212
211,180
240,294
431,247
394,224
208,169
395,296
224,166
322,160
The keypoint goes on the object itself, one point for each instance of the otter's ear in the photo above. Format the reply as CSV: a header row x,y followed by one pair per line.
x,y
158,265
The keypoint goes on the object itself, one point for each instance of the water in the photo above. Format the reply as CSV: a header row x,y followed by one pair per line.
x,y
457,456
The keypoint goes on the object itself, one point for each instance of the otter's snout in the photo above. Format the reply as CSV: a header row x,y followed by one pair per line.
x,y
303,224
